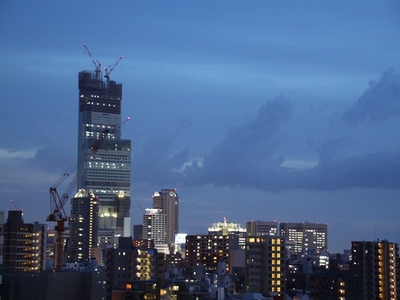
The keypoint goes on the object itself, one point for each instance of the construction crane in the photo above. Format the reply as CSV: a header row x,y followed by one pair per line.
x,y
96,63
110,68
141,208
57,203
97,144
58,215
15,206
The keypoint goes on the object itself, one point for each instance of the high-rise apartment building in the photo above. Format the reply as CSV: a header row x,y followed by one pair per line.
x,y
265,265
154,221
334,284
127,262
377,264
208,250
308,238
83,225
257,228
24,248
104,159
168,201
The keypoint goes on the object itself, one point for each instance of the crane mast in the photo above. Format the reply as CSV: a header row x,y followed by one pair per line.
x,y
57,203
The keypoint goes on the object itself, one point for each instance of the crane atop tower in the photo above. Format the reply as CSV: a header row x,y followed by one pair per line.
x,y
96,63
110,68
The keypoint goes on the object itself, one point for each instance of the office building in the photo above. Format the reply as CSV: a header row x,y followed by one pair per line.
x,y
154,221
104,158
225,228
306,238
24,248
168,201
265,267
83,226
377,265
257,228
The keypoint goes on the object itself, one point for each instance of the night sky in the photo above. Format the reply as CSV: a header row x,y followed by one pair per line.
x,y
253,110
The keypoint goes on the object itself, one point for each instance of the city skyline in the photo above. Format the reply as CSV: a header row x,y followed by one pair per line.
x,y
265,111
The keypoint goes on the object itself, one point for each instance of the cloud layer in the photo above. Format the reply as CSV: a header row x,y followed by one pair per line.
x,y
250,154
381,101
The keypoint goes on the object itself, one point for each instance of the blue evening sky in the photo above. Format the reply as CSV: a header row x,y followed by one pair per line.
x,y
253,110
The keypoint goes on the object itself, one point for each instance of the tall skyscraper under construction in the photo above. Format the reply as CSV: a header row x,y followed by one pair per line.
x,y
104,159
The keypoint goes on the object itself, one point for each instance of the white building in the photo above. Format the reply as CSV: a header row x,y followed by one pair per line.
x,y
226,228
154,226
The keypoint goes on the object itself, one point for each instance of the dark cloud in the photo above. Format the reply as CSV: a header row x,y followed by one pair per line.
x,y
54,158
379,102
248,152
377,170
334,148
159,162
250,156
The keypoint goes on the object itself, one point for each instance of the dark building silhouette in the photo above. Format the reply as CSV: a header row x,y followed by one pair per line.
x,y
332,284
377,265
24,245
128,263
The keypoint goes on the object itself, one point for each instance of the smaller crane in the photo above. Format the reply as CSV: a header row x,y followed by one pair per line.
x,y
57,203
97,144
141,208
110,68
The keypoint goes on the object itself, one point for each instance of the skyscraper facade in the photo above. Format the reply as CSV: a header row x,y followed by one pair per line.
x,y
83,225
308,238
168,201
104,159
